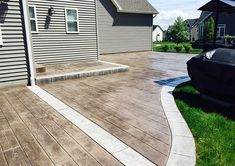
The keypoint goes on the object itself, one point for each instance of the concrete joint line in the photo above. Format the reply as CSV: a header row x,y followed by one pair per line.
x,y
183,150
125,154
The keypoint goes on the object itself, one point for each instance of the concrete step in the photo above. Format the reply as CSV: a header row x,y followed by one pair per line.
x,y
116,68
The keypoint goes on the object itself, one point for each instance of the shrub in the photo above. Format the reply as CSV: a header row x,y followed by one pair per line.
x,y
165,47
178,48
187,48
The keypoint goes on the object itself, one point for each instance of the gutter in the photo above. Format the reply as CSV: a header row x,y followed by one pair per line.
x,y
29,43
117,5
120,10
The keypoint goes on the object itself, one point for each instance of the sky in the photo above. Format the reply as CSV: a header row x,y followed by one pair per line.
x,y
170,9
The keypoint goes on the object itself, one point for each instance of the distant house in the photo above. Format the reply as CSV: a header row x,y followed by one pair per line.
x,y
158,33
36,32
226,26
190,24
125,25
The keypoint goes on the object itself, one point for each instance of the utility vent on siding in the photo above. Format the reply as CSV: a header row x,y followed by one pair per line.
x,y
13,66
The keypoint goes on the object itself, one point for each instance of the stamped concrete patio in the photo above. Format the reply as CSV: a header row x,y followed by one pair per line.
x,y
126,105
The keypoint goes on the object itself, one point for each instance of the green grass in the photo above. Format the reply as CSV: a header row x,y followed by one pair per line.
x,y
172,50
157,47
212,126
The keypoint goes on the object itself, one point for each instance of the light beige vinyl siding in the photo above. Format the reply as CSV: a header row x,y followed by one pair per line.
x,y
13,68
54,45
121,38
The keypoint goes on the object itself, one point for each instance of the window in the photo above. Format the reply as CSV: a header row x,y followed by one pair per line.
x,y
1,41
221,30
33,19
71,17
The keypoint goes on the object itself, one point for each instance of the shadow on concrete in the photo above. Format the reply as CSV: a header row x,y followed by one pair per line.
x,y
168,81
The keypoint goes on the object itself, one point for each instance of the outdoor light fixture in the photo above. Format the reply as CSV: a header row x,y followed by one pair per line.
x,y
51,11
3,10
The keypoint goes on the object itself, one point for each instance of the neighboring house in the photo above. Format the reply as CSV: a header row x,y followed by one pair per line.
x,y
226,26
64,31
125,25
205,15
158,33
190,24
194,32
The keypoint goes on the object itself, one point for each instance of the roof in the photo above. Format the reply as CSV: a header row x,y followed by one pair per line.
x,y
134,6
224,6
155,26
204,15
191,22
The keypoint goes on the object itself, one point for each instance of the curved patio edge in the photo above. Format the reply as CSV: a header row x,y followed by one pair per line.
x,y
183,150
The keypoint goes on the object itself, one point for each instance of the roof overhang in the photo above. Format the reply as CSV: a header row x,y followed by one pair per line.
x,y
121,10
219,5
157,26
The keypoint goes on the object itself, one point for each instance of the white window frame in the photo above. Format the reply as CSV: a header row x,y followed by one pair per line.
x,y
1,40
220,26
34,19
66,21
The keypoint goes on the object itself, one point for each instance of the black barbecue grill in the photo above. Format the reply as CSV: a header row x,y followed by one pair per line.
x,y
213,73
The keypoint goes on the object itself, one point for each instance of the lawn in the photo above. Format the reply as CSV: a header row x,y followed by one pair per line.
x,y
157,47
212,126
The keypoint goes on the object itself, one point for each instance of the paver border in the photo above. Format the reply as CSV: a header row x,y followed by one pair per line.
x,y
183,150
121,151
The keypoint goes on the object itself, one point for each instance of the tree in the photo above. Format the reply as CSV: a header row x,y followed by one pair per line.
x,y
209,30
178,32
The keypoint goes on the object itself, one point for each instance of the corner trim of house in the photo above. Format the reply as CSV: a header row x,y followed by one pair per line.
x,y
97,30
183,150
32,72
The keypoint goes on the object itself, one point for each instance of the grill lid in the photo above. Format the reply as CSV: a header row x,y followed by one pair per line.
x,y
221,55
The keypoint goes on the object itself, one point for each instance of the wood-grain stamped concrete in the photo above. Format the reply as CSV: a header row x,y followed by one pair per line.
x,y
127,105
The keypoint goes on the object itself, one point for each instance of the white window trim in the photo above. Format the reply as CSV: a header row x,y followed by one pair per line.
x,y
219,29
1,40
66,21
36,20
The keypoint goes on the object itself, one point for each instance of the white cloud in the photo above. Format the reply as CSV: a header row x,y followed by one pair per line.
x,y
170,10
167,18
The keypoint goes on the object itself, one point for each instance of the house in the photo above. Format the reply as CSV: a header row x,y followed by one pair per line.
x,y
13,48
34,32
125,26
67,35
205,15
158,33
194,33
226,26
190,24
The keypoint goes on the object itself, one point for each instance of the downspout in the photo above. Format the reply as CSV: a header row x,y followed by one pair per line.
x,y
154,15
97,30
29,43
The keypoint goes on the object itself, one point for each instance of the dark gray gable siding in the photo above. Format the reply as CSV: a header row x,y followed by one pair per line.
x,y
53,44
13,66
122,32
